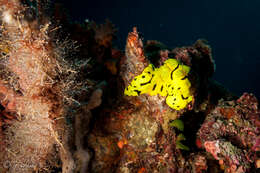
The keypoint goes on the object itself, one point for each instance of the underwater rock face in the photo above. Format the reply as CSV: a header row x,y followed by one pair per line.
x,y
37,91
139,126
231,133
54,117
28,71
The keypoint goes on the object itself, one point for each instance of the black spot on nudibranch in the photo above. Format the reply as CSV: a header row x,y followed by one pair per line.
x,y
143,76
184,98
154,87
161,88
147,82
174,70
138,92
185,77
179,88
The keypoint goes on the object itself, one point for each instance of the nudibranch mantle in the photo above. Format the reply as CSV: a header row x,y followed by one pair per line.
x,y
170,80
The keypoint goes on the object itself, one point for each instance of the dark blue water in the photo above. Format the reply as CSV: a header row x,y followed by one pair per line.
x,y
232,28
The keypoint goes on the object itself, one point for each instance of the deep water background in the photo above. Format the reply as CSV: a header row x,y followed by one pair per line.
x,y
231,27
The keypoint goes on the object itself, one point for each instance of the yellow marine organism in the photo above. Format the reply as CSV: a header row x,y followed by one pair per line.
x,y
170,80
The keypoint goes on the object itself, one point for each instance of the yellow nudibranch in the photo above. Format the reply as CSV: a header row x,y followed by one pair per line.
x,y
170,80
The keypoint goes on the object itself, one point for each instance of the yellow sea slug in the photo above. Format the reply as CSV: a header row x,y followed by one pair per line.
x,y
170,80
